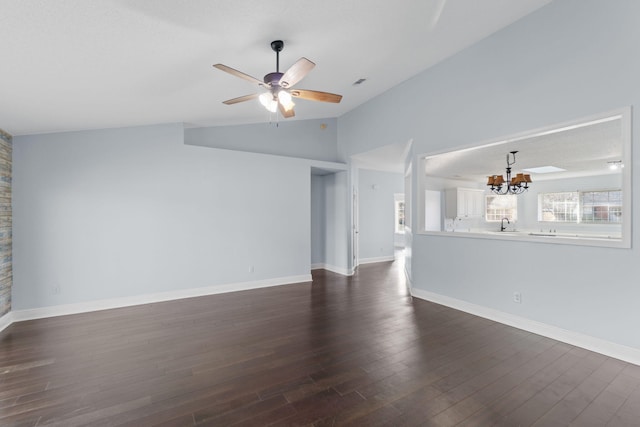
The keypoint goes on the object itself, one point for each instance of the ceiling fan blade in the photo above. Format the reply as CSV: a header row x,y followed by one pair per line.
x,y
286,113
240,74
296,72
241,99
314,95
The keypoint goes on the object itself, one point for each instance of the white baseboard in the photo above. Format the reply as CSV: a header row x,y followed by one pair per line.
x,y
617,351
83,307
6,320
376,259
332,268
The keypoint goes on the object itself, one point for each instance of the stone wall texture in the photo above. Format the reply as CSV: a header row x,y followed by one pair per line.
x,y
6,237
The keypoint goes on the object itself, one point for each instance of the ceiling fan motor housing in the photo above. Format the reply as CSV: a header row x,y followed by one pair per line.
x,y
273,79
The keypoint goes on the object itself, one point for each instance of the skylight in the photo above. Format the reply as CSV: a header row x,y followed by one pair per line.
x,y
544,169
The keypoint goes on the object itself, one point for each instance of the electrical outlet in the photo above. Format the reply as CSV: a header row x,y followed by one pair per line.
x,y
251,269
57,289
517,297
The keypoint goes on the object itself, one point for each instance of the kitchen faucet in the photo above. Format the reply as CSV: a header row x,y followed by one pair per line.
x,y
502,227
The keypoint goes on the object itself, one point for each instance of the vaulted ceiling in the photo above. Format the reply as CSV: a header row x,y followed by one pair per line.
x,y
79,64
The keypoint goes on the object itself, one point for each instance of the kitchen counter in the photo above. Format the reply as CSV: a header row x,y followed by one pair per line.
x,y
566,235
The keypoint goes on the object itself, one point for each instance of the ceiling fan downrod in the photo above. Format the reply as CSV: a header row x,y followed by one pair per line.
x,y
273,79
277,46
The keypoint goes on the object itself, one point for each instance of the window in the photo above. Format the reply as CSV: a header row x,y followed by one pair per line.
x,y
399,213
602,206
581,207
498,207
558,207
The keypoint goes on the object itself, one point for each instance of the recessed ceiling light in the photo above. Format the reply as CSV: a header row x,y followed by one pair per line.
x,y
544,169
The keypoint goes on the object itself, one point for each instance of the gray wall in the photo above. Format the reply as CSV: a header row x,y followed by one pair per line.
x,y
307,139
570,59
6,254
376,225
115,213
329,222
337,221
318,219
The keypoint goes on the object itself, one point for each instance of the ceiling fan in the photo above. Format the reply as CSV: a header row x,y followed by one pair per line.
x,y
279,92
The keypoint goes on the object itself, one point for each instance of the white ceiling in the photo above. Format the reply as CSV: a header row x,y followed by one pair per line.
x,y
580,151
85,64
389,158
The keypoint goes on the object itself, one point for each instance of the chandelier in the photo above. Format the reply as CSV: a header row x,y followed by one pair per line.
x,y
513,185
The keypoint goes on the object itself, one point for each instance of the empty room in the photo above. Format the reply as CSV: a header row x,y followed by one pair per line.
x,y
299,213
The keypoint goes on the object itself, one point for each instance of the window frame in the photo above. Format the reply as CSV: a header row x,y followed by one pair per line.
x,y
580,211
432,180
512,218
609,205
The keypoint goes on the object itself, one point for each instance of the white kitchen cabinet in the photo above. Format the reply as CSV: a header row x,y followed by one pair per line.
x,y
464,203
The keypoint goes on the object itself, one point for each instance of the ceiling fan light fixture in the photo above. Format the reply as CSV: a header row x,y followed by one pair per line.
x,y
285,99
265,98
278,84
268,101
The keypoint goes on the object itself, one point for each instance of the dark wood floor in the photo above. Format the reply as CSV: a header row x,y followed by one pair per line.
x,y
340,351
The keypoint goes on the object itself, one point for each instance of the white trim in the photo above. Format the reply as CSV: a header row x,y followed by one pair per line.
x,y
529,236
6,321
624,114
350,272
333,269
377,259
608,348
330,166
83,307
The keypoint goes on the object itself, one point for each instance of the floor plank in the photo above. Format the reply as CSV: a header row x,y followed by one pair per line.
x,y
340,351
